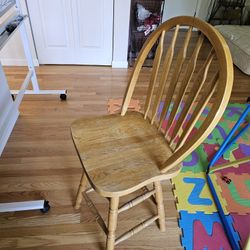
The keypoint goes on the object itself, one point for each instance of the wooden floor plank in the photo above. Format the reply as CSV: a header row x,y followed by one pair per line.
x,y
40,162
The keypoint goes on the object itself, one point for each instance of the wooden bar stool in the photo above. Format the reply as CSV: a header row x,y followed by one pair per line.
x,y
122,153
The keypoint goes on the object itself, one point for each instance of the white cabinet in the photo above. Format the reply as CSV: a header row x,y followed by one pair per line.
x,y
8,112
72,31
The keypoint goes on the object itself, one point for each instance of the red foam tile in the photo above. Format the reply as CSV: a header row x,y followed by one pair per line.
x,y
242,225
215,241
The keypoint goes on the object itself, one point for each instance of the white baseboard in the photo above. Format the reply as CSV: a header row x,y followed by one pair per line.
x,y
17,62
119,64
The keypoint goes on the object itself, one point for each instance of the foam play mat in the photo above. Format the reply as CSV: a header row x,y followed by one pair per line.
x,y
199,219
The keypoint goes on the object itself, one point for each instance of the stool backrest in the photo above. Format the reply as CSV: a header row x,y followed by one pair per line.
x,y
183,81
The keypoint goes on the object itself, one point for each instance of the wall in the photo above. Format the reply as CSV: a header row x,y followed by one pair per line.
x,y
186,7
12,53
121,33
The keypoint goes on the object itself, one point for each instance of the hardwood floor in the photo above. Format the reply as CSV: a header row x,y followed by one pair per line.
x,y
40,162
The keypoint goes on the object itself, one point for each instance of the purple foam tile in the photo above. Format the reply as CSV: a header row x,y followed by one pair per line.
x,y
222,131
232,110
194,160
245,149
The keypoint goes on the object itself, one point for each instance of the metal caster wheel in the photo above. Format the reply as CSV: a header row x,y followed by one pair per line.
x,y
46,207
63,97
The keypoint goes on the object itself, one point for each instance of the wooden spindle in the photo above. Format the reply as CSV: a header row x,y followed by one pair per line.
x,y
199,82
185,82
81,188
166,67
156,65
136,71
176,74
198,111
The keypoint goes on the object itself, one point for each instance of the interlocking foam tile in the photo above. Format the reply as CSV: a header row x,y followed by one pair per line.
x,y
197,125
170,108
202,231
239,153
231,115
242,152
244,138
245,149
220,132
210,150
218,190
114,105
202,239
237,193
234,111
235,233
241,224
227,154
192,193
196,162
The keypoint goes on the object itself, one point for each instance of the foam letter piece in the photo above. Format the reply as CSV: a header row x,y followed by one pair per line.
x,y
216,240
194,198
206,228
196,162
234,111
220,132
191,197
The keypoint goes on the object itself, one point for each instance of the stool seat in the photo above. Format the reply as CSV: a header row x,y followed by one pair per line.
x,y
114,147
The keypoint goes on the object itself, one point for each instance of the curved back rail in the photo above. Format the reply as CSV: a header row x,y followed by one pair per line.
x,y
183,81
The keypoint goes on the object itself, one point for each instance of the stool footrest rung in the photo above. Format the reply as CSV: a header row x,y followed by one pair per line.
x,y
136,201
136,229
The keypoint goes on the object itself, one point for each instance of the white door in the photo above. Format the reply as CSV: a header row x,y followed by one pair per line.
x,y
72,31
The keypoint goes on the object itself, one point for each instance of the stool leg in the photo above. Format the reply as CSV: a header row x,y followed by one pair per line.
x,y
160,205
112,222
82,187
